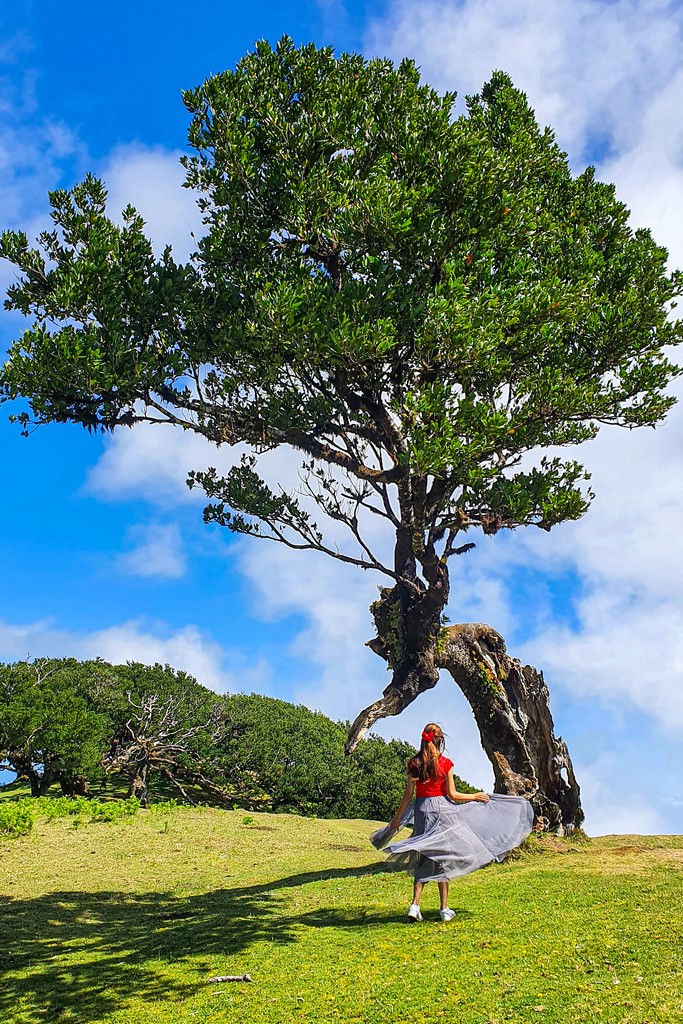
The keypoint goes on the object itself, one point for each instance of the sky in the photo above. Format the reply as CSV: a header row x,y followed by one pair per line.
x,y
103,549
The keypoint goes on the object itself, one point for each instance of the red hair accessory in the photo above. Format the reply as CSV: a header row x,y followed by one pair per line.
x,y
428,737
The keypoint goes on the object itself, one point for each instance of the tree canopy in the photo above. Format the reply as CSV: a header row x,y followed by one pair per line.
x,y
422,302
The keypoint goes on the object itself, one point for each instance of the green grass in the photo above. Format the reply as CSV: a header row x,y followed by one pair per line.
x,y
127,921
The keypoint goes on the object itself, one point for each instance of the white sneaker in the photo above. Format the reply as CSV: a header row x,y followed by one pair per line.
x,y
414,912
447,914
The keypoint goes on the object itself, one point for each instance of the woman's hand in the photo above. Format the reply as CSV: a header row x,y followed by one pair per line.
x,y
395,822
481,798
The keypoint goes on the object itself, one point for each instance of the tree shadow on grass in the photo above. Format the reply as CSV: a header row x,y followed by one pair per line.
x,y
84,955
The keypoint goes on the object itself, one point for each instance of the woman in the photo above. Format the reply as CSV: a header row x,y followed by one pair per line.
x,y
454,833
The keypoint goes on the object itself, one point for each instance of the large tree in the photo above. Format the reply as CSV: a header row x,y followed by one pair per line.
x,y
418,302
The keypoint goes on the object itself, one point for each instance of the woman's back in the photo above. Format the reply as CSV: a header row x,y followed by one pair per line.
x,y
432,787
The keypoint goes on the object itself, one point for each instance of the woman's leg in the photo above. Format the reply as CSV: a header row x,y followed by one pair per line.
x,y
417,892
443,893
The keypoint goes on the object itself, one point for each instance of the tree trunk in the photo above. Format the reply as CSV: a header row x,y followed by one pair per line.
x,y
138,785
35,781
74,785
510,702
40,784
407,639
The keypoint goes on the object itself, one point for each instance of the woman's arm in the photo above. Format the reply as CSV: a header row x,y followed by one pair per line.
x,y
408,794
462,798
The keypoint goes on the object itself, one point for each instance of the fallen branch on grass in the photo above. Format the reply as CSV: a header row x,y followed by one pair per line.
x,y
231,977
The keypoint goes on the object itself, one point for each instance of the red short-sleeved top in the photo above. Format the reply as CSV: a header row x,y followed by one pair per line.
x,y
437,786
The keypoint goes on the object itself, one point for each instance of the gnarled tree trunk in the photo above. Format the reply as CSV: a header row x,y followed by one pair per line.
x,y
138,784
73,785
510,703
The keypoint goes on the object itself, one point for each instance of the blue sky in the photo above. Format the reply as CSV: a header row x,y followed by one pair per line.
x,y
103,548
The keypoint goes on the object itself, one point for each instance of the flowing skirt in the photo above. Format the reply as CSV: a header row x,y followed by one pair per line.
x,y
452,839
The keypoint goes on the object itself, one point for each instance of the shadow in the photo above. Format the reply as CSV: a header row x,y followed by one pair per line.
x,y
84,954
360,917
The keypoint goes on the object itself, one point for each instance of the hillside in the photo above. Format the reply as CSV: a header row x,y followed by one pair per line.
x,y
127,922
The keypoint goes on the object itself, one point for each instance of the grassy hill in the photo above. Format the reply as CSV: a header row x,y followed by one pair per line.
x,y
127,922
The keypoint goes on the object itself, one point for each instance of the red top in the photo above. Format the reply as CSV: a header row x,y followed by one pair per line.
x,y
437,786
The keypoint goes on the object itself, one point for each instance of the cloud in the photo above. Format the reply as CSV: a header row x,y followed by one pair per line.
x,y
158,552
640,814
151,462
339,674
35,154
591,69
621,655
150,178
608,78
188,648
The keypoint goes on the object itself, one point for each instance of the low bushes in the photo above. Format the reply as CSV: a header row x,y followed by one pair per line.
x,y
17,817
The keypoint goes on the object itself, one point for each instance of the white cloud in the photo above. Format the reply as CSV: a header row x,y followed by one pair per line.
x,y
158,552
151,462
347,676
339,674
625,644
150,179
188,648
603,75
35,152
609,79
35,155
590,68
649,173
609,812
621,655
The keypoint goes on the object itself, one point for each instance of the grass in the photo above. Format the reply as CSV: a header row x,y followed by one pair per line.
x,y
126,922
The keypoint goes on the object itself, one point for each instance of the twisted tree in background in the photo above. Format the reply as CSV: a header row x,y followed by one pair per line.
x,y
418,304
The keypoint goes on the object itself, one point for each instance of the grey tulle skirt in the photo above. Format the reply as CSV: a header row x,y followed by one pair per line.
x,y
452,839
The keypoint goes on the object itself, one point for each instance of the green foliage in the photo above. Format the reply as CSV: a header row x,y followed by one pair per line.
x,y
261,751
123,686
294,758
380,273
418,300
112,810
91,810
16,818
48,727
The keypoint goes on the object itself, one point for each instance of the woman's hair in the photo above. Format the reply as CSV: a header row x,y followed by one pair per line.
x,y
425,763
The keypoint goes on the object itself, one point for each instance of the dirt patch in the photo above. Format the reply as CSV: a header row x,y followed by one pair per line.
x,y
557,846
345,847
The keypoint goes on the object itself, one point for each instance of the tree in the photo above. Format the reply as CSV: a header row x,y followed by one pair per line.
x,y
162,723
424,307
48,730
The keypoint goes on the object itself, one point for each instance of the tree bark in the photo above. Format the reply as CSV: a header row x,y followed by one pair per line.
x,y
408,626
510,703
138,785
40,784
73,785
